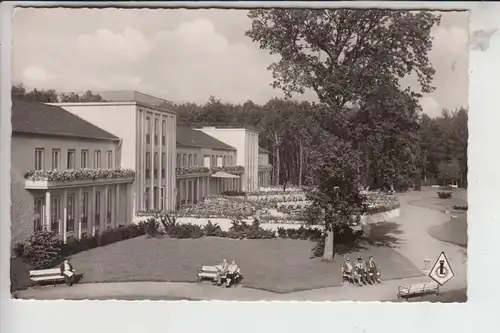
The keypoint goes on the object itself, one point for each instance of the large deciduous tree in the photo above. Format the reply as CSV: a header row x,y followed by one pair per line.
x,y
354,61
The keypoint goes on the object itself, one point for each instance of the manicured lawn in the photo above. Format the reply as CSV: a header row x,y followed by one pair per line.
x,y
277,265
453,231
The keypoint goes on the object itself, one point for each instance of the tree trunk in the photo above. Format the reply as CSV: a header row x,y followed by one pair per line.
x,y
278,167
329,252
300,164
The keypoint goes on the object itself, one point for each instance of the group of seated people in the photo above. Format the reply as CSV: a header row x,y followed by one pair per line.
x,y
229,274
361,273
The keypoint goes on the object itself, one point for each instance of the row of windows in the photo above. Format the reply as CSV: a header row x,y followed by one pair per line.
x,y
70,162
56,209
188,160
155,170
148,131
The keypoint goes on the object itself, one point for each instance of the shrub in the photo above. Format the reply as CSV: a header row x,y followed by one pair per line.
x,y
152,227
282,232
211,229
465,208
444,195
42,249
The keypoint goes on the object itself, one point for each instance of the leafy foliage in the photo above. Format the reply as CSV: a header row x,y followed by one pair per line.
x,y
41,250
78,174
444,195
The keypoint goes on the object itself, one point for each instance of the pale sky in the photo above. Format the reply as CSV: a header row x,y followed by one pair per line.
x,y
185,55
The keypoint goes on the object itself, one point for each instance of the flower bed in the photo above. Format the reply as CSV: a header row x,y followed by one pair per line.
x,y
444,195
229,168
191,170
239,229
218,207
78,174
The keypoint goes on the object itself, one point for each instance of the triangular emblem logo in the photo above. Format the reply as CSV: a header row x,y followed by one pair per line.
x,y
441,272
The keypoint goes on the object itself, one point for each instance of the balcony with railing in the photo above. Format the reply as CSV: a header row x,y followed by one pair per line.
x,y
49,179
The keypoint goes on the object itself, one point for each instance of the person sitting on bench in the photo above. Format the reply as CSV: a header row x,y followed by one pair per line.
x,y
347,271
373,272
222,272
232,274
361,271
67,272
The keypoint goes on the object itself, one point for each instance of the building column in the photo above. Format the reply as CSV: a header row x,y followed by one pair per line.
x,y
65,215
93,211
116,211
130,205
47,222
106,188
79,212
192,192
186,193
198,194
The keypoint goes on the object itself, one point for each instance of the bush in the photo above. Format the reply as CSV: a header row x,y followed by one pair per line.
x,y
41,250
152,227
211,229
444,195
465,208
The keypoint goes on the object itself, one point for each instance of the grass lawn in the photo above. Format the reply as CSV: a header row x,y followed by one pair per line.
x,y
278,265
455,230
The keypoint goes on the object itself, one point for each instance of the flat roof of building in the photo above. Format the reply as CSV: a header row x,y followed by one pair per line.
x,y
39,118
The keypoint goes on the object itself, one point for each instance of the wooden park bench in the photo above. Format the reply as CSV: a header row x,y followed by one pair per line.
x,y
52,275
418,290
207,273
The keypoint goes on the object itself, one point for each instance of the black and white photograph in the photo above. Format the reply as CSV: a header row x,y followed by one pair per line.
x,y
239,154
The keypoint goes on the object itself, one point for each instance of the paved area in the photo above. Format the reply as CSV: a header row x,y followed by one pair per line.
x,y
416,244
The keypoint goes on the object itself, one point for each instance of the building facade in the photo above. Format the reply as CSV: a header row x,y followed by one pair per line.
x,y
264,168
202,162
65,174
148,134
246,143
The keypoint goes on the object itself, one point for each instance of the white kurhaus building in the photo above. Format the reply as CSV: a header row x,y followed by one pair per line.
x,y
148,133
246,143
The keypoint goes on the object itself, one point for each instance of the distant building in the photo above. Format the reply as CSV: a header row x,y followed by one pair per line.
x,y
148,132
264,168
246,142
65,174
202,162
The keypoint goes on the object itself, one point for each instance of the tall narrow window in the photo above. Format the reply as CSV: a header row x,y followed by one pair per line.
x,y
162,198
195,159
224,160
84,159
184,160
156,165
148,130
70,213
109,206
85,210
110,159
146,198
156,131
71,159
38,214
56,156
179,161
97,159
148,165
163,131
155,197
39,158
55,214
162,165
190,160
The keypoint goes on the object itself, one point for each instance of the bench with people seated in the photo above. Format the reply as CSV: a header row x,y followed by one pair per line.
x,y
418,290
220,274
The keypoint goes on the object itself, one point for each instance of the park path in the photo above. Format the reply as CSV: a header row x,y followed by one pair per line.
x,y
416,244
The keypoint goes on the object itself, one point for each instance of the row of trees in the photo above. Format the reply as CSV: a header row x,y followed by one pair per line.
x,y
19,92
